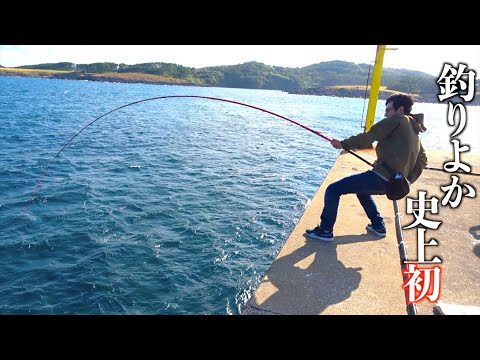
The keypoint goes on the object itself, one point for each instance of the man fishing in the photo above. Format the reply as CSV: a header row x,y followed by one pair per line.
x,y
398,148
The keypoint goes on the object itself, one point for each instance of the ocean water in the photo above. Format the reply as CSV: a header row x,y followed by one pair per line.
x,y
170,206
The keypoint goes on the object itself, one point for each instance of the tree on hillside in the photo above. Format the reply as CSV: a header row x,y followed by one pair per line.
x,y
97,67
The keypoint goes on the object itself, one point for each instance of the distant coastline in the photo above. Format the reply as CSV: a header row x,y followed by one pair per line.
x,y
141,78
108,77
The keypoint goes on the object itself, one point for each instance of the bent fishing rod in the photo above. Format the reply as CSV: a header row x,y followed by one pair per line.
x,y
166,97
200,97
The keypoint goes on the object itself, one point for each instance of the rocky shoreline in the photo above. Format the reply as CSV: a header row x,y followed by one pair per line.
x,y
139,79
119,79
146,79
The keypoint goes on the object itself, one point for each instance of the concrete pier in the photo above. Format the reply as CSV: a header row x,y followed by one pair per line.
x,y
360,274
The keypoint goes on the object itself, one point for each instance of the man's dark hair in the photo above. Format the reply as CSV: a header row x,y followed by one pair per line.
x,y
401,99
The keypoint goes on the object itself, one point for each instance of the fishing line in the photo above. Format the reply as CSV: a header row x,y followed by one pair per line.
x,y
365,95
454,172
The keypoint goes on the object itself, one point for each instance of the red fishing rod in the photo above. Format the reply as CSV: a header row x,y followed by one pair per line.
x,y
183,96
210,98
166,97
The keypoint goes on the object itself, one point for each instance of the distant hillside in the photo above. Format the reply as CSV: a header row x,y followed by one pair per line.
x,y
331,78
56,66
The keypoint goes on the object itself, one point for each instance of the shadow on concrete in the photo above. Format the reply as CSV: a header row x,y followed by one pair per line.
x,y
311,278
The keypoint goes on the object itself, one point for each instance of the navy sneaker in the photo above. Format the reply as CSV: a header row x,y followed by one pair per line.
x,y
380,231
309,231
318,234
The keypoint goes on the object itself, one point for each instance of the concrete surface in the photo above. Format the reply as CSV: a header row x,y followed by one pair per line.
x,y
360,274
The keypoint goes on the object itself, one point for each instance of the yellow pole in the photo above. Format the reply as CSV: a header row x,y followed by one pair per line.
x,y
375,88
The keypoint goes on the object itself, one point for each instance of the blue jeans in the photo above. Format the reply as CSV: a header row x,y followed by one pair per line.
x,y
364,185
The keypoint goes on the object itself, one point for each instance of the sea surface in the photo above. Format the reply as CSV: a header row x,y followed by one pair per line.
x,y
168,206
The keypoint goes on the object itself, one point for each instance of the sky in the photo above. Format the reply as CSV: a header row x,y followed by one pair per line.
x,y
425,58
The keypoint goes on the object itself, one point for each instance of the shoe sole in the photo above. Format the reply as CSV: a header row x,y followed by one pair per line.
x,y
377,233
319,238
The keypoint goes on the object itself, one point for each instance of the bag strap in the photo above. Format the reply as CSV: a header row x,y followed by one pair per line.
x,y
384,164
389,169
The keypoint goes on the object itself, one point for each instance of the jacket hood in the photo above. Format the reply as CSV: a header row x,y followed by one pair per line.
x,y
417,122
